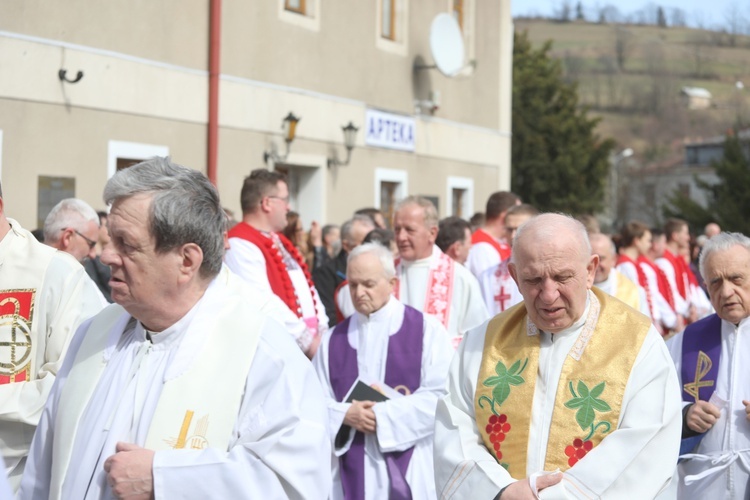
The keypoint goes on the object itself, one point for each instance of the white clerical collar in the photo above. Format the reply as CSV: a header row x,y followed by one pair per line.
x,y
421,262
382,315
578,324
171,335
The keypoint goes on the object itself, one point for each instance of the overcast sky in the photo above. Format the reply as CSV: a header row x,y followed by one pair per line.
x,y
705,12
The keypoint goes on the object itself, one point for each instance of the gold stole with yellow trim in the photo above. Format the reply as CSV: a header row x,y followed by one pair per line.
x,y
589,393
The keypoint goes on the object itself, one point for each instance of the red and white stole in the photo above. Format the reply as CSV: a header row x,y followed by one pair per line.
x,y
437,300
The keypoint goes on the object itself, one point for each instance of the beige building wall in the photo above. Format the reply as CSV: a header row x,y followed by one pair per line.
x,y
145,88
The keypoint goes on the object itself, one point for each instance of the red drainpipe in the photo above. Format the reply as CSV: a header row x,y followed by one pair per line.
x,y
214,51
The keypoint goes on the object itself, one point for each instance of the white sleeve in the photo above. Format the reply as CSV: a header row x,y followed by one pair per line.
x,y
463,466
481,257
282,447
487,284
471,309
35,483
67,298
629,271
640,456
402,422
247,261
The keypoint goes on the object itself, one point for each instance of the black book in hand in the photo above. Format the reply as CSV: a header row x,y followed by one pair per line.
x,y
359,392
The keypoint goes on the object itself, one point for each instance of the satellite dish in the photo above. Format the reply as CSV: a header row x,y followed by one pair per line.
x,y
447,44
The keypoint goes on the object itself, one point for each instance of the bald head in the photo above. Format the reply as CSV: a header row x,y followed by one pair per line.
x,y
602,245
711,229
553,267
558,227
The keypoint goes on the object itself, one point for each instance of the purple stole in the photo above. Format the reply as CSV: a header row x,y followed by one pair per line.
x,y
403,367
701,353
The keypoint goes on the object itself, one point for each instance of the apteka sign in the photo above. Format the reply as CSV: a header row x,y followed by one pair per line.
x,y
387,130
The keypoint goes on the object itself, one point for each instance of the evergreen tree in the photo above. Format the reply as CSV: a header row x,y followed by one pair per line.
x,y
558,163
579,12
661,19
728,201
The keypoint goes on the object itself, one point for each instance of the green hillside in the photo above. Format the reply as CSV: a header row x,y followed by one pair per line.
x,y
632,75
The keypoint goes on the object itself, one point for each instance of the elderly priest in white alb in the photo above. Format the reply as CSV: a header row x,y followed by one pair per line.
x,y
429,280
383,449
182,389
712,357
571,380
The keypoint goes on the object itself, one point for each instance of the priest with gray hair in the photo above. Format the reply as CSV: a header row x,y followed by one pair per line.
x,y
183,388
382,442
711,357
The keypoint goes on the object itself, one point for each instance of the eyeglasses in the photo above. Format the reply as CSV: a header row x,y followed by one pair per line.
x,y
91,242
285,199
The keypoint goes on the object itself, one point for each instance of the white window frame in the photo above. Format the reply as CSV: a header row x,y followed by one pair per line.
x,y
134,150
465,183
310,20
401,177
468,30
400,43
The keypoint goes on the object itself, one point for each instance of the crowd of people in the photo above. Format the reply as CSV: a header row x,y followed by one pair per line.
x,y
162,349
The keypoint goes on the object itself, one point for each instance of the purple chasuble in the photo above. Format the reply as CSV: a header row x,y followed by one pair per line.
x,y
403,367
701,343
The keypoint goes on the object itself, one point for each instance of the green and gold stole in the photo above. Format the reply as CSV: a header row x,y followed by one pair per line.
x,y
589,393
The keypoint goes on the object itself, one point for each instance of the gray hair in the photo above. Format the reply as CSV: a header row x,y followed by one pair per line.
x,y
382,253
69,213
185,207
348,226
431,218
720,242
548,226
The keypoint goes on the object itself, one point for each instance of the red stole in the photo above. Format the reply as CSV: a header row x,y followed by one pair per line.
x,y
278,276
439,293
680,272
661,280
482,236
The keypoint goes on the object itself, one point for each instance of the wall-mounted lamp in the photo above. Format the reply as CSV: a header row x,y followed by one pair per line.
x,y
289,126
350,137
62,75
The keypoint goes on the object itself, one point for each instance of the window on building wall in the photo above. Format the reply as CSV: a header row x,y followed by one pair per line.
x,y
460,197
388,199
50,192
458,12
297,6
301,13
391,31
388,19
465,13
458,202
123,163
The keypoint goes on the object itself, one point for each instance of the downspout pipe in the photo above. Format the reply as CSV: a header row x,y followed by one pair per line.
x,y
214,69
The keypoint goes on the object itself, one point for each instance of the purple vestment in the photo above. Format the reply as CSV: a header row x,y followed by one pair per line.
x,y
403,367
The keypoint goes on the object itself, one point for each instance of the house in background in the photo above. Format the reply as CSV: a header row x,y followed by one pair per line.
x,y
696,97
210,83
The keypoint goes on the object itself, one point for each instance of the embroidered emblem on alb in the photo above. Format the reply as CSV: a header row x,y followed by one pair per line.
x,y
16,311
702,367
497,425
586,403
195,441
